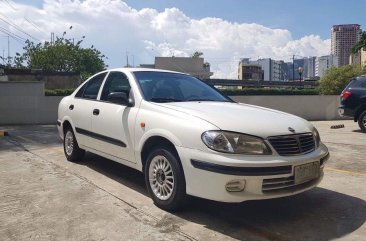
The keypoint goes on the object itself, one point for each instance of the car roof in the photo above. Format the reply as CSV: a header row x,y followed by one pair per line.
x,y
131,70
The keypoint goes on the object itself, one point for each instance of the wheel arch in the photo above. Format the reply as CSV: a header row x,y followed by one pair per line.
x,y
156,141
67,122
359,111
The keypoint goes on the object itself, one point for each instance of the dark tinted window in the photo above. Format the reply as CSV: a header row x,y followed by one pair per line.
x,y
92,87
81,91
116,82
363,83
360,83
170,87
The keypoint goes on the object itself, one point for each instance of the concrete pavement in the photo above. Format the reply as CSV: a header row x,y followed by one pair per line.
x,y
44,197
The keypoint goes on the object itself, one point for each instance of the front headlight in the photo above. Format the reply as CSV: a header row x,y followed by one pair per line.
x,y
231,142
316,137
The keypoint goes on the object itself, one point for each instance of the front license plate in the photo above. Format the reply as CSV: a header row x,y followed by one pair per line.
x,y
307,172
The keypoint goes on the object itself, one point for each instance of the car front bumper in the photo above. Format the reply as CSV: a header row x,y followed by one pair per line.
x,y
208,174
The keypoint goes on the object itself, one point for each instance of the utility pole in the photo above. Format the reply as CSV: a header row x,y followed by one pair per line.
x,y
127,65
293,67
8,50
52,38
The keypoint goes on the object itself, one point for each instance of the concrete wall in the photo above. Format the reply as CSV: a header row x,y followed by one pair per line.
x,y
51,80
310,107
25,103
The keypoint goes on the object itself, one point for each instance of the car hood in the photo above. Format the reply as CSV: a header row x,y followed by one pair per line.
x,y
243,118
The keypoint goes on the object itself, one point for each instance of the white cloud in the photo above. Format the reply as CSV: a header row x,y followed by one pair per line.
x,y
114,28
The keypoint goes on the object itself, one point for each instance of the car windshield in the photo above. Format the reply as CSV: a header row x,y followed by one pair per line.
x,y
173,87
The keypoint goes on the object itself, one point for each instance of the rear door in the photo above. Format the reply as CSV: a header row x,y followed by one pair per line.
x,y
81,108
113,123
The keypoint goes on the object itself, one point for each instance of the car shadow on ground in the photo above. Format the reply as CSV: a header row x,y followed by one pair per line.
x,y
358,131
319,214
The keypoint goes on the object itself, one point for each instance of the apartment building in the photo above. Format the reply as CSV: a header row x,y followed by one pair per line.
x,y
343,38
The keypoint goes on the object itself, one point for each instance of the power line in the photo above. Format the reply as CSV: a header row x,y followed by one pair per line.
x,y
34,25
16,26
10,5
13,36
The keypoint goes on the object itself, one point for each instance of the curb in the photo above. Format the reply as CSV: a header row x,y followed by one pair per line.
x,y
337,126
4,133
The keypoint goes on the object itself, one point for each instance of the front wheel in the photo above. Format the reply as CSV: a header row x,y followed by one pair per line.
x,y
72,150
165,179
362,121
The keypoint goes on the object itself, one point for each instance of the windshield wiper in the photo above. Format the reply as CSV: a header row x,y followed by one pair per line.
x,y
164,100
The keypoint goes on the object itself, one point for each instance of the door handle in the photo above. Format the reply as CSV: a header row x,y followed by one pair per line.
x,y
95,112
71,107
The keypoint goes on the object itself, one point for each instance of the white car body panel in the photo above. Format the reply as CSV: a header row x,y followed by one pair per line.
x,y
182,124
113,121
249,119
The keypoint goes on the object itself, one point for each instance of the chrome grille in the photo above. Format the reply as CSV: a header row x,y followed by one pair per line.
x,y
293,144
284,184
277,183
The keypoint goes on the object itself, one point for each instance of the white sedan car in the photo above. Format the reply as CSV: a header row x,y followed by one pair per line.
x,y
189,139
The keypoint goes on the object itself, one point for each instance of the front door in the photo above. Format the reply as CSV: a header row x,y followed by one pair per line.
x,y
113,123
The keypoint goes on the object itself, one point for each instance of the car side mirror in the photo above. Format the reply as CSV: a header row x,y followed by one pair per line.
x,y
120,98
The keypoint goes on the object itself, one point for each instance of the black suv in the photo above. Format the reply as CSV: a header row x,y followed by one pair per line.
x,y
353,101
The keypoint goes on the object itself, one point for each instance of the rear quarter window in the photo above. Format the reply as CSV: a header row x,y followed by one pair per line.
x,y
357,83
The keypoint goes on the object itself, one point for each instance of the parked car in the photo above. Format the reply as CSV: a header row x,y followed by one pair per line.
x,y
353,101
189,139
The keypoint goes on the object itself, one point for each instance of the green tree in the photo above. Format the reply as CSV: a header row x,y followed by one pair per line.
x,y
336,79
63,55
360,44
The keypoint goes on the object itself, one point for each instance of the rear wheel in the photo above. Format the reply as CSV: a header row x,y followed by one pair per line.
x,y
362,121
72,150
165,179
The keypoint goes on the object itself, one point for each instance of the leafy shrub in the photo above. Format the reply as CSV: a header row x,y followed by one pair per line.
x,y
59,92
263,91
336,79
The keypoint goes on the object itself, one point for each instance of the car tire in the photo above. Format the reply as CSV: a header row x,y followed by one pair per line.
x,y
165,179
72,150
362,121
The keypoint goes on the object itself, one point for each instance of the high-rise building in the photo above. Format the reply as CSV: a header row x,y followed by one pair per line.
x,y
344,37
293,69
272,69
248,71
309,67
325,62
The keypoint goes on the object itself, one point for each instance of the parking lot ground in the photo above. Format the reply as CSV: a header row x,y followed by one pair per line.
x,y
44,197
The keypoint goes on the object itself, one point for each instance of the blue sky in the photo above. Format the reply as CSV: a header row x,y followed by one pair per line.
x,y
300,17
224,31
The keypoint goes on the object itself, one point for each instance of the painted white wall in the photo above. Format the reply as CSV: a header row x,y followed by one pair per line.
x,y
310,107
25,103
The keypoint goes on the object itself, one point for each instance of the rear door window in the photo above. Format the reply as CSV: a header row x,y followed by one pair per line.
x,y
91,89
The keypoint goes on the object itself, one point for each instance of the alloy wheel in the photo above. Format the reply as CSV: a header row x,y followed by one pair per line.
x,y
161,177
69,143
